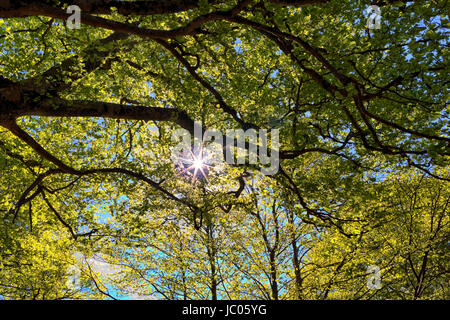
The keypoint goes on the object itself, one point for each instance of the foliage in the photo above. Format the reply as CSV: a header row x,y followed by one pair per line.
x,y
87,118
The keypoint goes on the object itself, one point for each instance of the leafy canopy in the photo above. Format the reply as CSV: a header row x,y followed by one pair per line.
x,y
87,117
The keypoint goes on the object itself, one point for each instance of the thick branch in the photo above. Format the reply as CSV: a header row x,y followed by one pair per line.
x,y
64,108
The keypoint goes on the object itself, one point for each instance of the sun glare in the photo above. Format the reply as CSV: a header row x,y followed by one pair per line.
x,y
195,165
198,163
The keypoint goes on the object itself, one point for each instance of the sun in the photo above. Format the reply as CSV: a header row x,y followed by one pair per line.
x,y
198,163
194,164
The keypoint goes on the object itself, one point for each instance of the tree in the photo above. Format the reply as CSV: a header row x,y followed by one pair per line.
x,y
405,234
87,118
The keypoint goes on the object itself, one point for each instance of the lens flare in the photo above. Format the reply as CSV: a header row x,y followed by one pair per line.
x,y
198,163
194,164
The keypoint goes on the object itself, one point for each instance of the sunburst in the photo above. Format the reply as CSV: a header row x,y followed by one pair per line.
x,y
195,164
